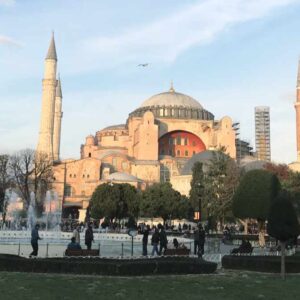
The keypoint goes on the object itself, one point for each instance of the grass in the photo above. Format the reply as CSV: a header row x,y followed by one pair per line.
x,y
225,285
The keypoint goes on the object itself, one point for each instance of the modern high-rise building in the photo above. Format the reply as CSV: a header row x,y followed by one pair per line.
x,y
262,133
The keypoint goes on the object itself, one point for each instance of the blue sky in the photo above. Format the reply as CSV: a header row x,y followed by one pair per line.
x,y
230,55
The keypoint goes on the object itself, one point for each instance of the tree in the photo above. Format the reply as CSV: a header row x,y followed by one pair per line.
x,y
114,201
220,180
289,180
5,182
254,195
283,224
197,187
31,172
161,200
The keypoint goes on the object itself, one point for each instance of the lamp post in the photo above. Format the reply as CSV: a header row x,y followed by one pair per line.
x,y
200,190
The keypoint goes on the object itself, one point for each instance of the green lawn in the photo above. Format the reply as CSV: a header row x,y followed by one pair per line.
x,y
225,285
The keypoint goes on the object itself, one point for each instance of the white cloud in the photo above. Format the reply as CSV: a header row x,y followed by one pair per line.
x,y
5,40
164,40
7,2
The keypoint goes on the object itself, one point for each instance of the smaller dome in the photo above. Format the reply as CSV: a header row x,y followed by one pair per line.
x,y
203,157
124,177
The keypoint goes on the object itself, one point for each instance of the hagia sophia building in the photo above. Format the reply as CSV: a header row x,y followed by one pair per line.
x,y
155,144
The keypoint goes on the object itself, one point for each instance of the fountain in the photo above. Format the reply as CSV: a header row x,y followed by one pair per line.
x,y
52,211
31,215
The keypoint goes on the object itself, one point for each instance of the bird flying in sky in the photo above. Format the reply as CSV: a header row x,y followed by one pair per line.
x,y
143,65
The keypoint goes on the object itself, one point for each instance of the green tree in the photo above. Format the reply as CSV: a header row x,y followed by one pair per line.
x,y
220,181
114,201
289,180
197,187
254,195
161,200
283,224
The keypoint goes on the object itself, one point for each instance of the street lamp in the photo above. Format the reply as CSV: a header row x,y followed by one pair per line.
x,y
200,188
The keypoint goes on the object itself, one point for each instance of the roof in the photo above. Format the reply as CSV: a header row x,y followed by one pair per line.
x,y
112,152
119,126
172,98
203,157
52,50
124,177
254,165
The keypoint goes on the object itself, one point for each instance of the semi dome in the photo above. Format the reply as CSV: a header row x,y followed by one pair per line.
x,y
120,176
172,98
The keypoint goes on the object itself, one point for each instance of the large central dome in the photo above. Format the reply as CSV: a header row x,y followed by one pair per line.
x,y
172,98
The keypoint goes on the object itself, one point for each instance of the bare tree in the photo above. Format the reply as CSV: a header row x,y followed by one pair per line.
x,y
5,181
32,172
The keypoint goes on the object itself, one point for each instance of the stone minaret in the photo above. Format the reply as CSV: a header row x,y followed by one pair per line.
x,y
57,121
45,143
297,107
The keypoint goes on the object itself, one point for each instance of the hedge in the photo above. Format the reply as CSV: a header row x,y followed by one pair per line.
x,y
270,264
103,266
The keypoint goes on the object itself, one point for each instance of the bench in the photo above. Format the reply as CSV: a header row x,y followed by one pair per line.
x,y
178,251
82,252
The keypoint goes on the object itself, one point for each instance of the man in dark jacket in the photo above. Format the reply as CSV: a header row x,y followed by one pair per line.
x,y
89,237
201,241
145,232
155,241
34,240
163,240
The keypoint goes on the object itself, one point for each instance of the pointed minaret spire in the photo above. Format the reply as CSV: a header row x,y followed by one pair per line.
x,y
58,92
52,50
57,121
171,87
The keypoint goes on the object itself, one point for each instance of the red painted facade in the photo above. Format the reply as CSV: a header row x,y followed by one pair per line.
x,y
180,144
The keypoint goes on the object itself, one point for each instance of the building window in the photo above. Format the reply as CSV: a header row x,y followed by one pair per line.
x,y
178,140
194,152
170,141
88,176
178,152
83,176
186,141
162,152
68,190
74,175
186,153
90,154
70,176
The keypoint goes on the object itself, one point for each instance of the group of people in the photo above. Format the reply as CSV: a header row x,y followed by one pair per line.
x,y
75,240
159,238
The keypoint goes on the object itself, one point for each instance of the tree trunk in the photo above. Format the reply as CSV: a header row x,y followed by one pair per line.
x,y
261,234
282,245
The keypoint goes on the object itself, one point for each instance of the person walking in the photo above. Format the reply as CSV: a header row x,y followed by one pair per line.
x,y
89,237
163,241
76,234
201,241
196,241
34,240
145,232
155,242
